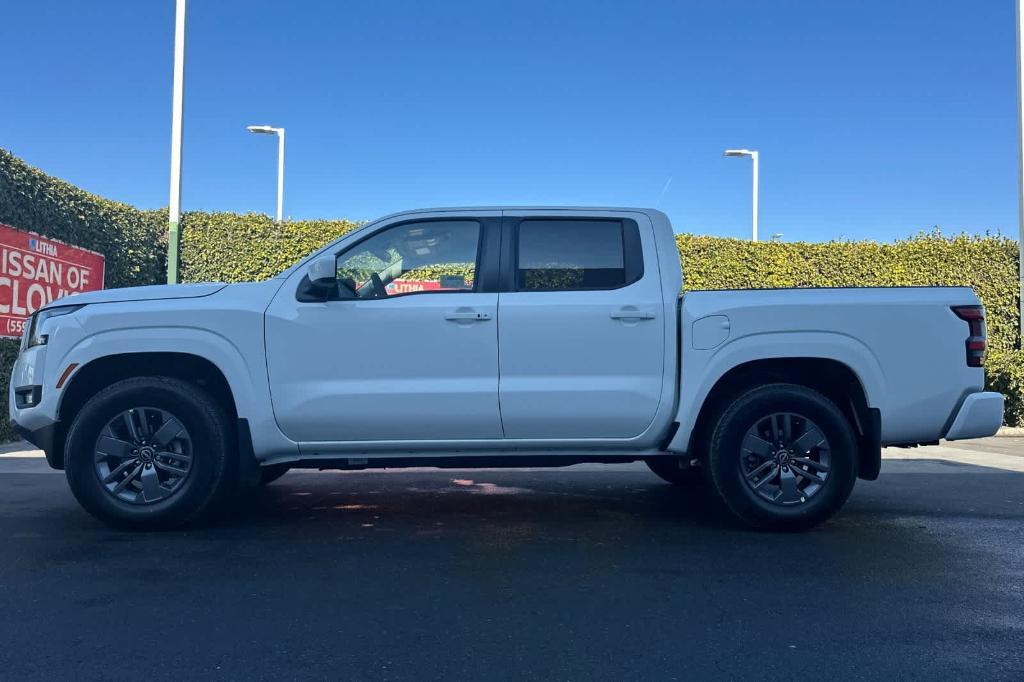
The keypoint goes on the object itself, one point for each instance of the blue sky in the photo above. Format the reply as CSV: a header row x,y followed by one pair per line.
x,y
875,119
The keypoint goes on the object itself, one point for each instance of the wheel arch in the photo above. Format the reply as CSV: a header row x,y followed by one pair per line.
x,y
831,377
103,371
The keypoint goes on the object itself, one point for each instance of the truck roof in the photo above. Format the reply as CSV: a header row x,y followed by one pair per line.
x,y
526,207
568,209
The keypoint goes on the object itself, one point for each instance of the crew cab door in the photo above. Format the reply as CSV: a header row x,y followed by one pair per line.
x,y
581,331
407,351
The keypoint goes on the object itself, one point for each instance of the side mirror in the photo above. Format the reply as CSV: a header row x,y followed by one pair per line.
x,y
320,282
322,272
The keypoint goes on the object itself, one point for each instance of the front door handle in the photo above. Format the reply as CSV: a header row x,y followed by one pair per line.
x,y
467,316
631,314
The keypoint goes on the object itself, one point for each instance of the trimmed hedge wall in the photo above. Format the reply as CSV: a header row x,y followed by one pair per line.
x,y
988,264
231,247
133,241
228,247
8,354
1004,372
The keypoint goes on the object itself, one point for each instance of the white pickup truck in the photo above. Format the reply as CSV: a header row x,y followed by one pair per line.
x,y
497,337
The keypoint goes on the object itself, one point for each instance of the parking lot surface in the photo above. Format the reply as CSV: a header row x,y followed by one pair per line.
x,y
587,572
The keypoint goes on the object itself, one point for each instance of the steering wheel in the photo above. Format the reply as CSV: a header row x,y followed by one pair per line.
x,y
378,286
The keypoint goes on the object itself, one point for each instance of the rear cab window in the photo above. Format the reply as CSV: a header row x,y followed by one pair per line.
x,y
576,254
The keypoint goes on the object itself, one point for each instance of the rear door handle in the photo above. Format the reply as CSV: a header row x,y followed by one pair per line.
x,y
467,316
631,315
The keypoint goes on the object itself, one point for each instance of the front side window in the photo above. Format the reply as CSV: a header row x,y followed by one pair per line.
x,y
429,256
566,255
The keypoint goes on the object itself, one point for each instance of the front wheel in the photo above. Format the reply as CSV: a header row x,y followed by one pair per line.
x,y
148,453
782,457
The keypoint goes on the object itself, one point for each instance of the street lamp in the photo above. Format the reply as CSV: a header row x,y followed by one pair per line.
x,y
177,104
269,130
1020,172
753,155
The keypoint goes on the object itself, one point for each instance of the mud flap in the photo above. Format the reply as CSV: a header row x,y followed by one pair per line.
x,y
869,446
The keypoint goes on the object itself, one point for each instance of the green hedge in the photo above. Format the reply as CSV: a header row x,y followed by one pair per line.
x,y
228,247
8,354
133,241
988,264
1004,372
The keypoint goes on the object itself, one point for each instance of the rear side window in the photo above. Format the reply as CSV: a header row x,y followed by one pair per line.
x,y
577,254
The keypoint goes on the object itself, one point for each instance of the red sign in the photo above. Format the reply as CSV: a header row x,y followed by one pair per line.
x,y
407,286
35,270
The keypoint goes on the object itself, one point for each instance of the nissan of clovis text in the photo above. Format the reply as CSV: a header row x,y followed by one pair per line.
x,y
495,337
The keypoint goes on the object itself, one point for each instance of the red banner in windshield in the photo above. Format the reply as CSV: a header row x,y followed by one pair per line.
x,y
407,286
35,270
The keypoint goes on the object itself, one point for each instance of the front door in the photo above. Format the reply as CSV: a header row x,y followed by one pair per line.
x,y
581,329
409,352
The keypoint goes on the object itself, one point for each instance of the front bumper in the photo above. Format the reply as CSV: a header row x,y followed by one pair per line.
x,y
47,439
980,415
36,422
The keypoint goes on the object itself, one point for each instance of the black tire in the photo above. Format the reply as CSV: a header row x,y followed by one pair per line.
x,y
272,472
674,470
725,450
211,469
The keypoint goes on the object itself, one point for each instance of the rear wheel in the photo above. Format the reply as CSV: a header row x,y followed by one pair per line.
x,y
782,457
675,470
148,452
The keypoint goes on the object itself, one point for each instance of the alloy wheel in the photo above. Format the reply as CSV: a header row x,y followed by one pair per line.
x,y
785,459
143,455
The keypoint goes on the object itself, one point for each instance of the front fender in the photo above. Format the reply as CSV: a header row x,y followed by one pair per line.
x,y
248,381
702,369
201,342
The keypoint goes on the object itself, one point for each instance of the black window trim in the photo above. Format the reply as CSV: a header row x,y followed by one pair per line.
x,y
632,251
487,256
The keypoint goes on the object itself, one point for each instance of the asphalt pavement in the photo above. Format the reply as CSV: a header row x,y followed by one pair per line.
x,y
588,572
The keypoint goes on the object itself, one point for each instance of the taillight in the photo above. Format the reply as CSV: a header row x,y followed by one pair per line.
x,y
974,315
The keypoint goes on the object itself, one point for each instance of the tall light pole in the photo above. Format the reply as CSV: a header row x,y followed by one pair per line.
x,y
753,155
177,103
268,130
1020,170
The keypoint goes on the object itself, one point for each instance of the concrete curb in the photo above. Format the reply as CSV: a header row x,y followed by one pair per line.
x,y
1010,432
17,446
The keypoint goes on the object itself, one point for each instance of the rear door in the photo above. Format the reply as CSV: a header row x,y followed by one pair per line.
x,y
581,333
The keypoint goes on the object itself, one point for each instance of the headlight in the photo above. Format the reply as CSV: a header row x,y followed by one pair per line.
x,y
32,336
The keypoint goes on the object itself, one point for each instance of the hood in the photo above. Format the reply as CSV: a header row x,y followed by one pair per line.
x,y
149,293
